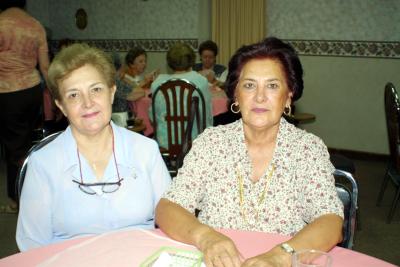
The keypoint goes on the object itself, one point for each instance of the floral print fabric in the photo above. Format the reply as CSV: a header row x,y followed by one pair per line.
x,y
299,189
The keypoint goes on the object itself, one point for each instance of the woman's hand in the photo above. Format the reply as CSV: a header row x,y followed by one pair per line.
x,y
276,257
209,74
218,250
136,94
149,78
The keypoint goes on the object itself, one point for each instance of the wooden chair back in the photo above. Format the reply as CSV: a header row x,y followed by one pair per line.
x,y
178,95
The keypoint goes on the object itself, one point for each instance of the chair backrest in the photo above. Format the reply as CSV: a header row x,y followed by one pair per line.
x,y
347,190
21,177
186,143
178,95
392,112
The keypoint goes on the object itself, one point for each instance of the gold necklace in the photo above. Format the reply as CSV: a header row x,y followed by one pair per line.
x,y
261,198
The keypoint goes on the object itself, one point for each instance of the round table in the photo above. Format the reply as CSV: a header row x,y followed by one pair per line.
x,y
132,247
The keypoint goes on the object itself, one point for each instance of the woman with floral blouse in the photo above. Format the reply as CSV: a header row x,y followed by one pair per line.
x,y
259,173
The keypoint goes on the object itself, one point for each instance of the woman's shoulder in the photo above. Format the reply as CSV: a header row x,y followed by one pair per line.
x,y
301,138
199,77
50,151
218,142
161,78
135,140
221,133
199,80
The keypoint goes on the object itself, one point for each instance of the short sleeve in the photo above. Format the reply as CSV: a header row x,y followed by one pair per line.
x,y
188,187
42,40
317,184
34,227
159,174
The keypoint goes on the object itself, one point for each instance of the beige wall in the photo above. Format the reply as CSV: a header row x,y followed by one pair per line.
x,y
157,60
346,94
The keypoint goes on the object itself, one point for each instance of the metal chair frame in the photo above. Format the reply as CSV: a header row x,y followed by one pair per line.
x,y
349,198
21,176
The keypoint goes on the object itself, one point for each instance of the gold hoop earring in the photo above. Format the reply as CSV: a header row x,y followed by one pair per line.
x,y
233,110
288,111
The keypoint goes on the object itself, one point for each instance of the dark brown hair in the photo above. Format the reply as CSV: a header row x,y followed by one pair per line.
x,y
133,54
208,45
269,48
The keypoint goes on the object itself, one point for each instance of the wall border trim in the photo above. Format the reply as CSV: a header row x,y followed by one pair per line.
x,y
123,45
337,48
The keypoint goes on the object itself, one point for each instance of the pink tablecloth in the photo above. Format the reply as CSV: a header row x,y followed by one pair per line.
x,y
141,109
130,248
219,102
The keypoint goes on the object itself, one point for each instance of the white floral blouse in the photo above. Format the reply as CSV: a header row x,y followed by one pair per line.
x,y
296,188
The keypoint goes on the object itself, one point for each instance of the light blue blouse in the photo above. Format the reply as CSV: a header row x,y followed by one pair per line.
x,y
53,208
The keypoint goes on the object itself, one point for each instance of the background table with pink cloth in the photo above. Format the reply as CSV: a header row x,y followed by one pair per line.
x,y
131,247
219,101
141,108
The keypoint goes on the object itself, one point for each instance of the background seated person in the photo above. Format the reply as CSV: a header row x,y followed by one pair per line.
x,y
208,52
180,58
120,107
124,93
95,176
259,173
132,73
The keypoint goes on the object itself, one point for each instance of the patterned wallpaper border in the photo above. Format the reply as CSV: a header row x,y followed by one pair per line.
x,y
123,45
347,48
372,49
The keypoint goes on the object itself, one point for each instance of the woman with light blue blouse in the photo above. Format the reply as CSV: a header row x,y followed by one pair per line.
x,y
95,177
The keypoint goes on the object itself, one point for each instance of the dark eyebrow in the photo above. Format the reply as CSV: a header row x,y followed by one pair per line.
x,y
268,80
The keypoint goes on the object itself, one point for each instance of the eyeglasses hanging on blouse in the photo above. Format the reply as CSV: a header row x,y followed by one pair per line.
x,y
105,187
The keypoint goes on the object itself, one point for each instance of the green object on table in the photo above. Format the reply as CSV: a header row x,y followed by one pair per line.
x,y
176,258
